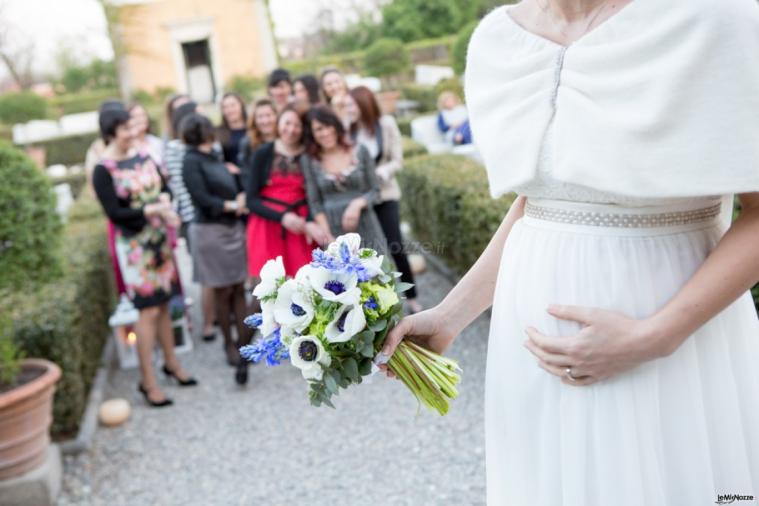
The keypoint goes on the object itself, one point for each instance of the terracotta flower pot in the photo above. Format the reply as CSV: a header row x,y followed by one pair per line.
x,y
25,417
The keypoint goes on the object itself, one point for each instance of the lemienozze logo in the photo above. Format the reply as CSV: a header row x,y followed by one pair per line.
x,y
731,498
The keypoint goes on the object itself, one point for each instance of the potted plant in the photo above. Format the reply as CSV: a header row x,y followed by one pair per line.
x,y
26,403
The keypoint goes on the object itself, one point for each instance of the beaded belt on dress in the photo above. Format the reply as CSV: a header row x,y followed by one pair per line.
x,y
626,220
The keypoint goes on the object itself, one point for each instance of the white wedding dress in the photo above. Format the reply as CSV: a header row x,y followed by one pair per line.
x,y
629,145
674,431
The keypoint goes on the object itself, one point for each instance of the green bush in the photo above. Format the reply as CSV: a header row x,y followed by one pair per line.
x,y
460,45
404,125
425,95
6,132
448,205
453,84
29,225
411,148
386,57
246,86
84,101
66,321
22,106
70,150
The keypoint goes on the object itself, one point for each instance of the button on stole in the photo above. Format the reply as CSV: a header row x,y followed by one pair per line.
x,y
595,218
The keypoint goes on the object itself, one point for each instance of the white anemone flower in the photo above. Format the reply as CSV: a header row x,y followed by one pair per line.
x,y
352,240
307,353
268,324
373,265
303,274
271,274
348,321
334,286
293,307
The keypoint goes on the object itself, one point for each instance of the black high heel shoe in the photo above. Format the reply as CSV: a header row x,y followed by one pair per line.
x,y
158,404
189,382
241,375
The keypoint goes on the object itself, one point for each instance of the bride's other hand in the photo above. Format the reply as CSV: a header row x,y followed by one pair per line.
x,y
427,328
608,344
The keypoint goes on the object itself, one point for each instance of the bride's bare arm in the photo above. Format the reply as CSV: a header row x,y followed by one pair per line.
x,y
729,271
436,328
473,294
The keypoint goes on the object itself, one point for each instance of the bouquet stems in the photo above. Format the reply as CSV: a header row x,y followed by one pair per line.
x,y
432,378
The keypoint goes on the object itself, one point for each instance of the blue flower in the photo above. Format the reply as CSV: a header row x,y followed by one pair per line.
x,y
271,348
371,303
322,259
254,321
347,263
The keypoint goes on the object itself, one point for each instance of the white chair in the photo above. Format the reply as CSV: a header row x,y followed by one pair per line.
x,y
424,130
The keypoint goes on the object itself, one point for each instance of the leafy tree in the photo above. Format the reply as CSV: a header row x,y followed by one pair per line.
x,y
386,58
410,20
460,45
357,36
246,86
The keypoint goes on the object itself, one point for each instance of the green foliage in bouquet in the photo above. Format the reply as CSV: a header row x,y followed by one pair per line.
x,y
353,359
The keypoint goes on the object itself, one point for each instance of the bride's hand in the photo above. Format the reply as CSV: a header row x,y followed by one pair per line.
x,y
609,343
426,328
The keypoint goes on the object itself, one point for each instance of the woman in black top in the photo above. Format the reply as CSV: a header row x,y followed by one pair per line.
x,y
218,234
234,117
135,197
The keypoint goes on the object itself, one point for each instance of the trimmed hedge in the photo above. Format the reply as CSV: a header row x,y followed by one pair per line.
x,y
29,226
427,95
452,214
70,150
421,51
84,101
411,148
66,321
21,106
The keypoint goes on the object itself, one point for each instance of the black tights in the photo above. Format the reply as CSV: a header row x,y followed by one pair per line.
x,y
229,300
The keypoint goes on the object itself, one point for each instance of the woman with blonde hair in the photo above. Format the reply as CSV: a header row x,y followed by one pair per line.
x,y
262,128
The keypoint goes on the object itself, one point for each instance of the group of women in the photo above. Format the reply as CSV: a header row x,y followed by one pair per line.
x,y
310,162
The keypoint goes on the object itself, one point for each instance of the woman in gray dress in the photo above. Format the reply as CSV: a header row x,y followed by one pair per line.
x,y
341,184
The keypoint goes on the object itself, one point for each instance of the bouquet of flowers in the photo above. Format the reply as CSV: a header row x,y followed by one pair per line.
x,y
332,319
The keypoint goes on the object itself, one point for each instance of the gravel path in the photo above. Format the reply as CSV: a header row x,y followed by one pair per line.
x,y
265,445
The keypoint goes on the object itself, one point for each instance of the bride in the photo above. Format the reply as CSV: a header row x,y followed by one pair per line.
x,y
623,356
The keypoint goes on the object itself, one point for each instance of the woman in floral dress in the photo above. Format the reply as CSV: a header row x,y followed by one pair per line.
x,y
135,197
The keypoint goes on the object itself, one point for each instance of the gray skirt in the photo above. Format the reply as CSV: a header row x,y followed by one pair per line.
x,y
218,254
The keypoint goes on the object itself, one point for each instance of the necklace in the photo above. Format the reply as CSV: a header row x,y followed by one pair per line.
x,y
593,17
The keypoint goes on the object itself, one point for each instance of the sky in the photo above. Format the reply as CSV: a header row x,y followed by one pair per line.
x,y
79,25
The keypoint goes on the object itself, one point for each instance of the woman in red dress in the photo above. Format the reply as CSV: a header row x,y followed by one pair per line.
x,y
279,222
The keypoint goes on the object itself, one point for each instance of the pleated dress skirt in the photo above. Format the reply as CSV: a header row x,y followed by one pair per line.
x,y
681,430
